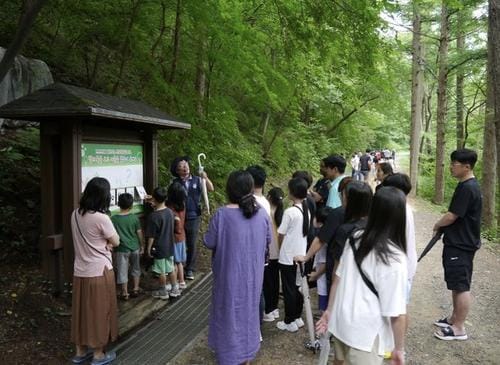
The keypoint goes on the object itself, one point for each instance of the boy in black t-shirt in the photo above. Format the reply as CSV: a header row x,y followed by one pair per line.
x,y
160,244
461,227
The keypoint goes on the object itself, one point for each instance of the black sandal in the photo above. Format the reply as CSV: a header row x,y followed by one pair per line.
x,y
123,297
447,334
136,293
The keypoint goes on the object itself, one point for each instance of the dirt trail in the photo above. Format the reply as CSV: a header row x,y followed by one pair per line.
x,y
431,300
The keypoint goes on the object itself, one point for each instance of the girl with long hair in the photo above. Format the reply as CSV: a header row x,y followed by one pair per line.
x,y
367,312
292,239
238,235
275,197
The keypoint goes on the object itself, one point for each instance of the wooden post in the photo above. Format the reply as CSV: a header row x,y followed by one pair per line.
x,y
150,159
71,187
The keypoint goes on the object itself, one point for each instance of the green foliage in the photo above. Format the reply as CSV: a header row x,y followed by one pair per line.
x,y
19,193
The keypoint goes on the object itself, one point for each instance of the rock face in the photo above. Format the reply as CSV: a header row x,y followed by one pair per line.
x,y
25,76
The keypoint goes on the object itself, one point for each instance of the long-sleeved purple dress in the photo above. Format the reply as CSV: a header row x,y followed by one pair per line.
x,y
239,247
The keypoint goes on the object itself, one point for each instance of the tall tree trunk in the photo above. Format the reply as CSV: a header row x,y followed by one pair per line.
x,y
442,101
494,82
201,79
417,92
460,83
426,141
125,49
176,36
30,10
489,159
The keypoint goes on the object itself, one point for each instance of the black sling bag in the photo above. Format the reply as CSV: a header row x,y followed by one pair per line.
x,y
367,281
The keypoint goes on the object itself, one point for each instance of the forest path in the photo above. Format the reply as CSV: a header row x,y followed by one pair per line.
x,y
431,300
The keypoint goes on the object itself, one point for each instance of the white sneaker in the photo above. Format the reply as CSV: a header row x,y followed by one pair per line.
x,y
299,322
168,287
182,285
290,327
268,317
276,313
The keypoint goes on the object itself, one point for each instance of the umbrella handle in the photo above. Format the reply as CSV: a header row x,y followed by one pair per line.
x,y
200,166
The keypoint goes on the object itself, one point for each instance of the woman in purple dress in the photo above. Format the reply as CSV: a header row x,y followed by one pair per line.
x,y
239,234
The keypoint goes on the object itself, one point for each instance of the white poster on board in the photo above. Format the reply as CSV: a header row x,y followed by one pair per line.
x,y
121,165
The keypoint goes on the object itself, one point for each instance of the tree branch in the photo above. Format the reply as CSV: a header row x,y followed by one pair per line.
x,y
348,115
474,57
31,8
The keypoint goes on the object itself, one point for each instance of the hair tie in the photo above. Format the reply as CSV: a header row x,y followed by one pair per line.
x,y
246,196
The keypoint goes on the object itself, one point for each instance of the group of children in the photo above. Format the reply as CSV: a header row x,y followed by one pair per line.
x,y
164,242
297,227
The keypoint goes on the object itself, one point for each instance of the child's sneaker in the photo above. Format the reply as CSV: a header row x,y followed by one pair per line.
x,y
268,317
175,292
161,294
299,322
168,287
182,285
290,327
276,313
189,275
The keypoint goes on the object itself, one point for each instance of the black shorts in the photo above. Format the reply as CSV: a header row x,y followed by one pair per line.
x,y
457,266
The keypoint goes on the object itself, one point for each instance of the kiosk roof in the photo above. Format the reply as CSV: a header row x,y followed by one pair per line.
x,y
68,101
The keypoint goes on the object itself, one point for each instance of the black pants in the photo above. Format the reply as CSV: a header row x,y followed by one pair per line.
x,y
271,285
191,226
293,299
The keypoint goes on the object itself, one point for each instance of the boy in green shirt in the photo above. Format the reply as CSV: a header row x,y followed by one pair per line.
x,y
131,245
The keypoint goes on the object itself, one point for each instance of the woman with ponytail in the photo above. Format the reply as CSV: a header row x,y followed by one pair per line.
x,y
271,272
238,235
292,240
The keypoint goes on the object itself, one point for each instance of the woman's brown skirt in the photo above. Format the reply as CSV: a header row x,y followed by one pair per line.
x,y
94,312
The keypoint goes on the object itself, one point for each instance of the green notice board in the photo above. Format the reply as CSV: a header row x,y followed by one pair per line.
x,y
122,165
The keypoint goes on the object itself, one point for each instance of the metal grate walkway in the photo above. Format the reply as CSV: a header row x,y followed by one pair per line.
x,y
163,338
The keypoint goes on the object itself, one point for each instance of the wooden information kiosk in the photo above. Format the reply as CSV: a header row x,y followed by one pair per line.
x,y
84,134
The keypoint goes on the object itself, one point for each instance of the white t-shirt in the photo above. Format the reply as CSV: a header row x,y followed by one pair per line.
x,y
273,246
294,242
355,163
320,258
358,316
411,248
264,203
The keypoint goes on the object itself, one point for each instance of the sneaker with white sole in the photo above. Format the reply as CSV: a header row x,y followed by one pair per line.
x,y
189,275
290,327
175,292
268,317
299,322
161,294
168,287
276,313
182,285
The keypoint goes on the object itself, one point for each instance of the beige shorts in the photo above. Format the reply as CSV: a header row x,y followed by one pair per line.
x,y
352,356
